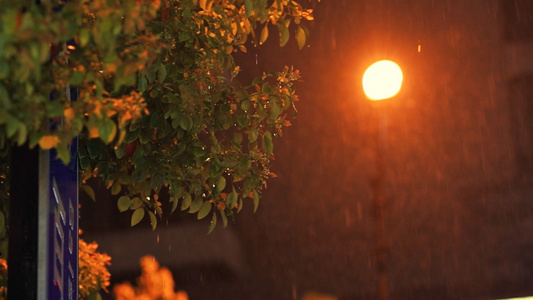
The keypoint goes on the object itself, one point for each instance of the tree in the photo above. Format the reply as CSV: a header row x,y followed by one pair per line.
x,y
157,108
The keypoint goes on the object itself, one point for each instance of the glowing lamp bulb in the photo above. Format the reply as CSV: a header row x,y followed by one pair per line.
x,y
382,80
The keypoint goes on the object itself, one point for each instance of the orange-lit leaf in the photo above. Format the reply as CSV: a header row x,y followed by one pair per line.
x,y
93,132
264,34
48,142
69,113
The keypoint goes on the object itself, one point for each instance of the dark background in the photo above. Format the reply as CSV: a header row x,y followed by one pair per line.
x,y
459,162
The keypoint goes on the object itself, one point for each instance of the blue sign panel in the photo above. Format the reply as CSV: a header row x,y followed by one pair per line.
x,y
57,273
63,228
58,245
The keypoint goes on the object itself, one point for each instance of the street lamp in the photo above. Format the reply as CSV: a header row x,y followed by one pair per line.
x,y
382,80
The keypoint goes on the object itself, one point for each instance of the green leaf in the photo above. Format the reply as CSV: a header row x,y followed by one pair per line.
x,y
174,202
116,188
252,134
224,218
245,105
248,7
196,205
198,152
76,78
265,88
107,130
213,224
301,37
186,122
137,216
186,203
204,210
275,110
240,204
153,220
63,153
256,200
145,135
221,184
267,145
264,34
151,74
136,203
161,73
84,37
123,203
232,199
12,125
283,34
89,191
142,84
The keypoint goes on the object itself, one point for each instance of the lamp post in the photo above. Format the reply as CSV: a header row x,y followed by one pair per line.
x,y
382,80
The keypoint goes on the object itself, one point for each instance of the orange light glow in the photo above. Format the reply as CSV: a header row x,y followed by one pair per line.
x,y
382,80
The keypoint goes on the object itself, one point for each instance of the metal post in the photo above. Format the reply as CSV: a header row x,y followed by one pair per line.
x,y
382,247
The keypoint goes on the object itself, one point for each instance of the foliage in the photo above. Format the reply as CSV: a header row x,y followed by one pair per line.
x,y
157,108
93,273
155,283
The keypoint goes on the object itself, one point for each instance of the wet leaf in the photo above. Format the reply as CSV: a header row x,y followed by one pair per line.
x,y
196,205
89,191
223,216
161,72
63,153
283,34
116,188
136,203
232,198
264,34
186,202
174,202
221,184
76,78
213,224
107,130
142,84
301,37
186,123
153,220
137,216
248,7
256,200
123,203
253,134
204,210
267,145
